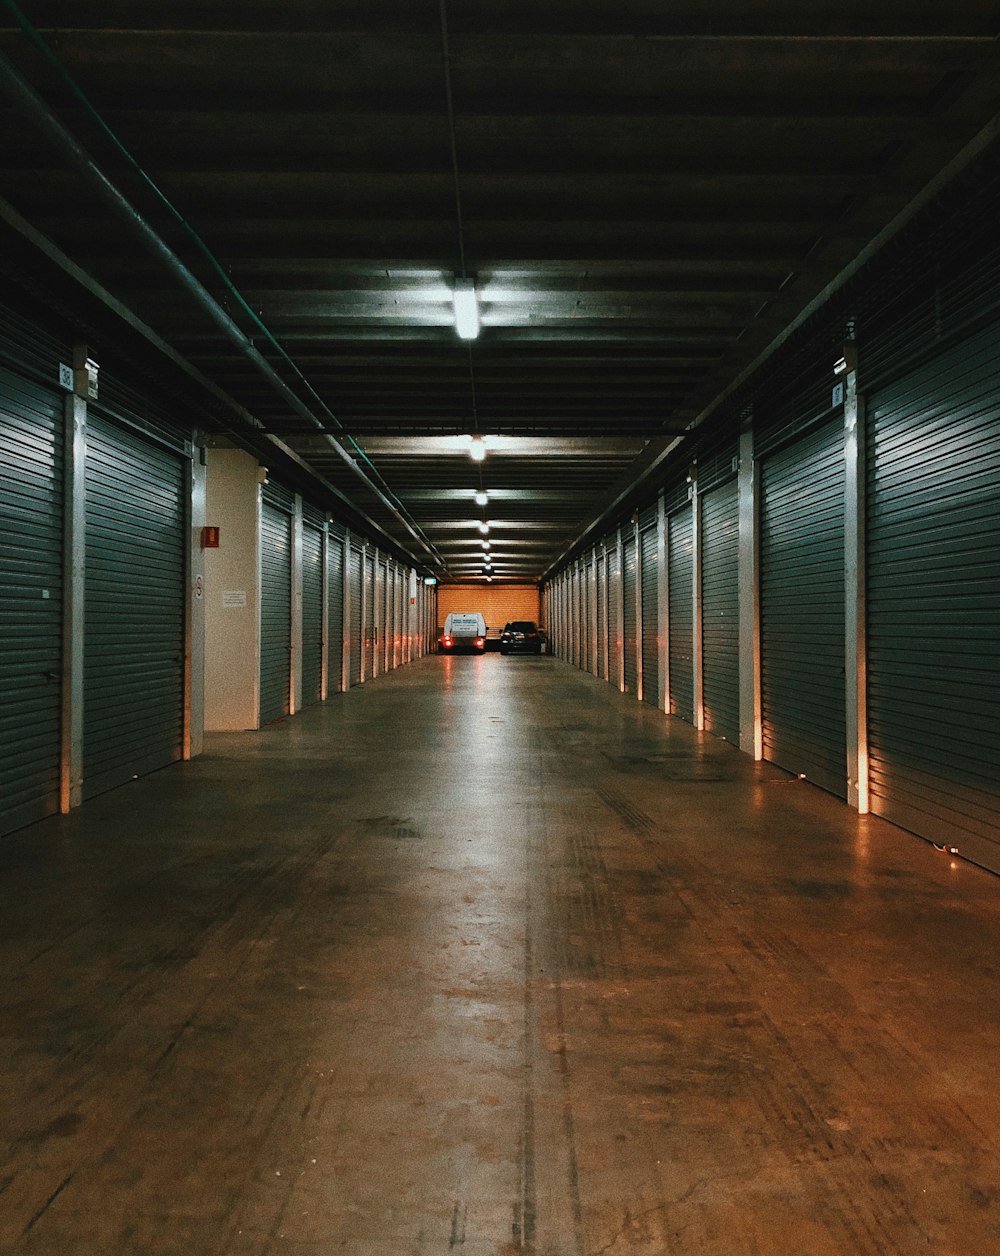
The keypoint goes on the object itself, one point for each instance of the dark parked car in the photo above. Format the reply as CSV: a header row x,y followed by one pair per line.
x,y
521,636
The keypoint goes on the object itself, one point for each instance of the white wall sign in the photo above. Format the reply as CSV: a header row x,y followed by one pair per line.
x,y
234,597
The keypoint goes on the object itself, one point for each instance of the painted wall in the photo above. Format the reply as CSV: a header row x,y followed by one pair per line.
x,y
497,603
232,592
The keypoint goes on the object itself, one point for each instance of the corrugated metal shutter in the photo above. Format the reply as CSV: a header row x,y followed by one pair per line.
x,y
602,617
934,599
370,620
335,614
312,613
680,596
802,608
587,662
275,612
31,576
631,574
378,622
650,616
357,617
614,623
134,607
720,608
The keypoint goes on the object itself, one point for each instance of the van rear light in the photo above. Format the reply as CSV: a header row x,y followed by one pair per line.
x,y
479,642
446,641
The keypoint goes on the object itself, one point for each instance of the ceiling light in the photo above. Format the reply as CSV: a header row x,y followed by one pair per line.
x,y
477,449
484,528
486,545
466,309
482,498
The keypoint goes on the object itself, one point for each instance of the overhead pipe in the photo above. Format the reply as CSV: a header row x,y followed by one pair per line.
x,y
38,113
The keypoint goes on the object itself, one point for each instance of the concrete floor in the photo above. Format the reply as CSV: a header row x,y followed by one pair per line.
x,y
483,958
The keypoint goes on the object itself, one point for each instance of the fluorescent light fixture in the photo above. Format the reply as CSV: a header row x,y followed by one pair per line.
x,y
482,498
466,309
484,528
477,449
430,580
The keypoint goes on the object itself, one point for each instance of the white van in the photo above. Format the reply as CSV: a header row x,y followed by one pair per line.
x,y
463,630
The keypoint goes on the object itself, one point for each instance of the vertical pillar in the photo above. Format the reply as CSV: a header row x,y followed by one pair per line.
x,y
295,654
194,635
637,542
697,651
748,490
663,607
74,524
855,661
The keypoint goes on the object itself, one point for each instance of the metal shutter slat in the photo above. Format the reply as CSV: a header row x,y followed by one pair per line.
x,y
357,625
650,614
933,599
275,612
312,613
720,611
335,613
802,608
31,523
680,595
631,574
133,674
602,617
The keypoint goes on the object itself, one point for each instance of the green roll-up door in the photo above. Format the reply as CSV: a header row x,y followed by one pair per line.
x,y
614,621
134,607
357,614
802,607
630,574
312,613
335,613
650,617
680,597
934,599
275,612
720,610
602,617
382,618
369,617
31,579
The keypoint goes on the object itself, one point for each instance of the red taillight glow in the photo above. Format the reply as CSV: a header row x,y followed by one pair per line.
x,y
446,641
479,643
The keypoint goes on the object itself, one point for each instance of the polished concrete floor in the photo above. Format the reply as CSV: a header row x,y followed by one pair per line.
x,y
485,959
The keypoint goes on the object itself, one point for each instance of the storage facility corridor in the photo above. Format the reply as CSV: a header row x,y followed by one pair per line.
x,y
485,957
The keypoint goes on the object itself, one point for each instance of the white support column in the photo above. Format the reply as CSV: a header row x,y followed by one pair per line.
x,y
697,652
295,656
74,525
663,608
748,489
637,542
194,635
620,614
856,655
363,598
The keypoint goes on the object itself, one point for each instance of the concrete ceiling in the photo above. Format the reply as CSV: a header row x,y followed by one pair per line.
x,y
645,195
